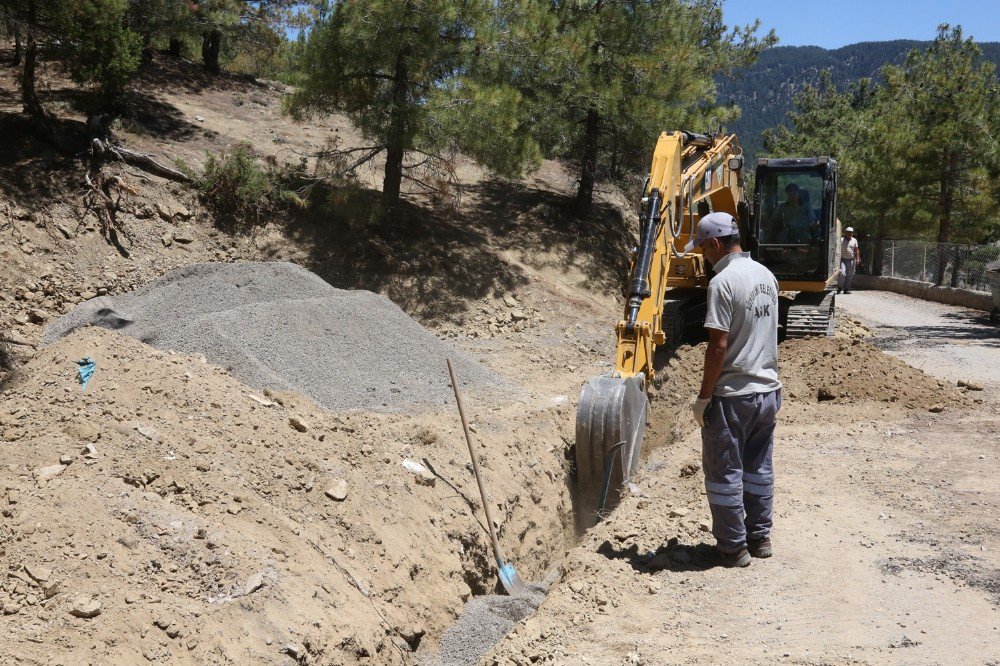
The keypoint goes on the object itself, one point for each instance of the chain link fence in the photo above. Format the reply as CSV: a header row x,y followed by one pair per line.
x,y
948,264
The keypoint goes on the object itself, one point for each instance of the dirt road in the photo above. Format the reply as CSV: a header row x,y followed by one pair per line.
x,y
886,532
950,342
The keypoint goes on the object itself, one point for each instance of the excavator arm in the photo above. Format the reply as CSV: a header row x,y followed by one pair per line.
x,y
687,168
611,419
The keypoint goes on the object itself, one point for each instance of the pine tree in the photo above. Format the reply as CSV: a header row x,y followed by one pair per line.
x,y
846,126
916,153
161,20
946,136
405,72
88,36
33,21
606,77
98,48
233,18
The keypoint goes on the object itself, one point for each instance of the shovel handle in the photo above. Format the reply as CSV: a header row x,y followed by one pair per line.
x,y
475,464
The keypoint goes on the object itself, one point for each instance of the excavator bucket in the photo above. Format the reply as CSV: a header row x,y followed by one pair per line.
x,y
611,411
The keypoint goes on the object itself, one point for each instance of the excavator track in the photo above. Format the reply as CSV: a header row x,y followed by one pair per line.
x,y
810,314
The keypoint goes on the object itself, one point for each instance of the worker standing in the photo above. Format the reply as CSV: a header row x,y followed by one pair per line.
x,y
850,257
740,393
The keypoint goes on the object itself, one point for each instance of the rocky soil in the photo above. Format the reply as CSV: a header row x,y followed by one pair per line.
x,y
171,513
181,516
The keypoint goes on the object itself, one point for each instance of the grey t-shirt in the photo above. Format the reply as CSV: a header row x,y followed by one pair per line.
x,y
743,301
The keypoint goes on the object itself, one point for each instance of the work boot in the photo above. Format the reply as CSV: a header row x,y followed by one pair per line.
x,y
847,291
839,290
759,547
740,558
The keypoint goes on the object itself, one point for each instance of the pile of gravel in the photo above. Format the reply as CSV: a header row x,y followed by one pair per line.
x,y
483,623
278,326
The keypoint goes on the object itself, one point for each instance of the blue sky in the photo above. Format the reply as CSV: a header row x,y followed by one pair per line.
x,y
835,23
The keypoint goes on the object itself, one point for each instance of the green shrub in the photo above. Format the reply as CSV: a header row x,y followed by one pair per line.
x,y
240,190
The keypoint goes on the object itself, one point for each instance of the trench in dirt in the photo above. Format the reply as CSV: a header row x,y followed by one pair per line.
x,y
490,614
488,618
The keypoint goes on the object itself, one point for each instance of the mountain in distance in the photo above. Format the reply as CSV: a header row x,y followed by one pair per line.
x,y
764,92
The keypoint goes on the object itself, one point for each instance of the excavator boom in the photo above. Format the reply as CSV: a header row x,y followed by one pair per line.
x,y
688,171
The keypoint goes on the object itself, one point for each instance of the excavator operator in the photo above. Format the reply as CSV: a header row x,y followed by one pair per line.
x,y
792,219
740,393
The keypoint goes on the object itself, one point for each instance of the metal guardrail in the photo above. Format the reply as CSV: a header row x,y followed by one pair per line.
x,y
944,264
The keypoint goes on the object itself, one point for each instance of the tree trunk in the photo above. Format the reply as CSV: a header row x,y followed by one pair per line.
x,y
211,44
956,266
396,149
392,183
29,97
147,49
877,254
946,203
588,163
588,166
175,48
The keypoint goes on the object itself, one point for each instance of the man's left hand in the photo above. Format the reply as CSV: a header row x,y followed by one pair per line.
x,y
700,409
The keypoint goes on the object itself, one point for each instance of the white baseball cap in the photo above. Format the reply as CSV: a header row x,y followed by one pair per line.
x,y
713,225
851,229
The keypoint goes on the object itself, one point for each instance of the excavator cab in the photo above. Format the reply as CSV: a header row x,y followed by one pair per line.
x,y
794,233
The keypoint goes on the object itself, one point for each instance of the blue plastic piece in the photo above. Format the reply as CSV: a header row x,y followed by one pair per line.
x,y
85,370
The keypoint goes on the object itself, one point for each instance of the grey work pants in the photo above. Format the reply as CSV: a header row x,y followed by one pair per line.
x,y
737,444
846,275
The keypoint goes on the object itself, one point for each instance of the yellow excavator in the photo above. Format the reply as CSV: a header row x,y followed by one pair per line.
x,y
790,226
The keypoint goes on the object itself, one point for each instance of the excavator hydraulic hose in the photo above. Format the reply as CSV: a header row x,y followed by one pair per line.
x,y
647,247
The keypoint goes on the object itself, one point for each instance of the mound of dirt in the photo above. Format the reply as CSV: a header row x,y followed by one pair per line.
x,y
851,328
837,369
841,370
170,513
278,326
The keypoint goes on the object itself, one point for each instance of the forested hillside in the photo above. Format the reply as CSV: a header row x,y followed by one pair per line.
x,y
764,92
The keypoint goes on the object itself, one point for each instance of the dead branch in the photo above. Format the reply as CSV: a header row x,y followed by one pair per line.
x,y
139,160
306,190
120,183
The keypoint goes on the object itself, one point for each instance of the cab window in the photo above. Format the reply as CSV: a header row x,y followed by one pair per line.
x,y
791,209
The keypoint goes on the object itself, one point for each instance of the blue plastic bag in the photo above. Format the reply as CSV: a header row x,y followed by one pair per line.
x,y
85,370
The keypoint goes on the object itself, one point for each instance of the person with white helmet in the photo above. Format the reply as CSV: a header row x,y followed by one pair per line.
x,y
740,395
850,257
